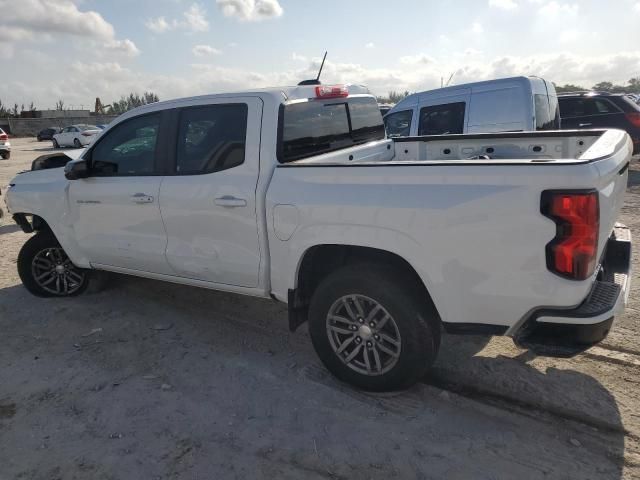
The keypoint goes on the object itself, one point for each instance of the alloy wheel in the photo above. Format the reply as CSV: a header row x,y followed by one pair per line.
x,y
363,335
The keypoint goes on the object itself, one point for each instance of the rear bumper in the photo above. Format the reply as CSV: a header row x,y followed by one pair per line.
x,y
5,147
566,332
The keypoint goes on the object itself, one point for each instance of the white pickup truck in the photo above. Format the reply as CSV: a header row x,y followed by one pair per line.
x,y
296,194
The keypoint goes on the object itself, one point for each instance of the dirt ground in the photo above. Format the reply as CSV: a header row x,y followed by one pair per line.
x,y
147,380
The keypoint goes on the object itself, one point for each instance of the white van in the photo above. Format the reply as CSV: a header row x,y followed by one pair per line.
x,y
503,105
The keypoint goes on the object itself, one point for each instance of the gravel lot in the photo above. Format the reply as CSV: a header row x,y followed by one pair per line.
x,y
150,380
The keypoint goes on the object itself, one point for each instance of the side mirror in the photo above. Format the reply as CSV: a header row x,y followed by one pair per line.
x,y
76,169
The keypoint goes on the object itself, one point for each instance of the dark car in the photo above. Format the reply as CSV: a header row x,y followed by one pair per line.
x,y
601,110
47,133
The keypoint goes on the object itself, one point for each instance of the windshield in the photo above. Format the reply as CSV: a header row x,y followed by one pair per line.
x,y
315,127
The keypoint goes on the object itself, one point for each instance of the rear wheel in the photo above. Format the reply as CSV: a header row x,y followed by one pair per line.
x,y
373,328
46,271
76,143
6,155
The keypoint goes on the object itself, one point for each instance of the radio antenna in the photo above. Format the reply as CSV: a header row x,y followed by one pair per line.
x,y
321,65
315,81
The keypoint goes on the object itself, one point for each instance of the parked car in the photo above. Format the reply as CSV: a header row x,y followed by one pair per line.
x,y
601,110
101,127
75,136
5,145
502,105
384,108
296,194
47,133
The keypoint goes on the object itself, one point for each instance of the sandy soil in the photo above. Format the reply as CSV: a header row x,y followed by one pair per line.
x,y
151,380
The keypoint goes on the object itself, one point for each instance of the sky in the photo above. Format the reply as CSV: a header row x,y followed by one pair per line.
x,y
77,50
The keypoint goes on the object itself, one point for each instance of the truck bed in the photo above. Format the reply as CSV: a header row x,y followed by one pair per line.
x,y
555,147
475,235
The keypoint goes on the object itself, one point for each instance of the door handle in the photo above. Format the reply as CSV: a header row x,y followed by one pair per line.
x,y
230,201
141,198
580,125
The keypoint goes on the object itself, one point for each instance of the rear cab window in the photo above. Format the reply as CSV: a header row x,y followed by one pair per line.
x,y
315,127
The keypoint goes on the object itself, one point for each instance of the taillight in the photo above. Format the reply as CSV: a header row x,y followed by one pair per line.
x,y
634,118
572,253
4,136
335,91
88,134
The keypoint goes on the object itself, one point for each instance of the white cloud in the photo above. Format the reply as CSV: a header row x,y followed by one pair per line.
x,y
416,59
250,10
369,45
555,9
299,58
205,50
125,47
569,36
158,25
195,20
504,4
44,20
82,82
477,27
54,16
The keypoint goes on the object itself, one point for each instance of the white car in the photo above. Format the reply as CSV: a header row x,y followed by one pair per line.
x,y
5,145
76,136
296,194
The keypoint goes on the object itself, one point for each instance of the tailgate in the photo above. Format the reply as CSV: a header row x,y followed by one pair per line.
x,y
611,156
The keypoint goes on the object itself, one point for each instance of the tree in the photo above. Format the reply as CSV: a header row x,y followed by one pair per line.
x,y
133,100
569,88
60,105
394,97
603,87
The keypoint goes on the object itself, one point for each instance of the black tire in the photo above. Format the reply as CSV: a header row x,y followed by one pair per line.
x,y
415,317
6,155
33,247
76,143
55,143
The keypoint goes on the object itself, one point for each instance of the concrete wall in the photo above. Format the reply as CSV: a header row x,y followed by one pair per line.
x,y
61,113
23,127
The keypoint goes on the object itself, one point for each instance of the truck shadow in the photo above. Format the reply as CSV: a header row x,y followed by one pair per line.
x,y
560,396
207,326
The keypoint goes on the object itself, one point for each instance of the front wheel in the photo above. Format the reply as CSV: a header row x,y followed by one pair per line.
x,y
46,271
373,328
55,143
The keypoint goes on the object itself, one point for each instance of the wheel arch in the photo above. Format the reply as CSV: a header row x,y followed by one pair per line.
x,y
318,261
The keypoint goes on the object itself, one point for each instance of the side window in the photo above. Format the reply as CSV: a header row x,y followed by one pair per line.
x,y
600,106
398,124
573,107
211,138
128,149
442,119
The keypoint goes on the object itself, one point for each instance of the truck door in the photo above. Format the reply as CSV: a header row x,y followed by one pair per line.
x,y
208,202
115,212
